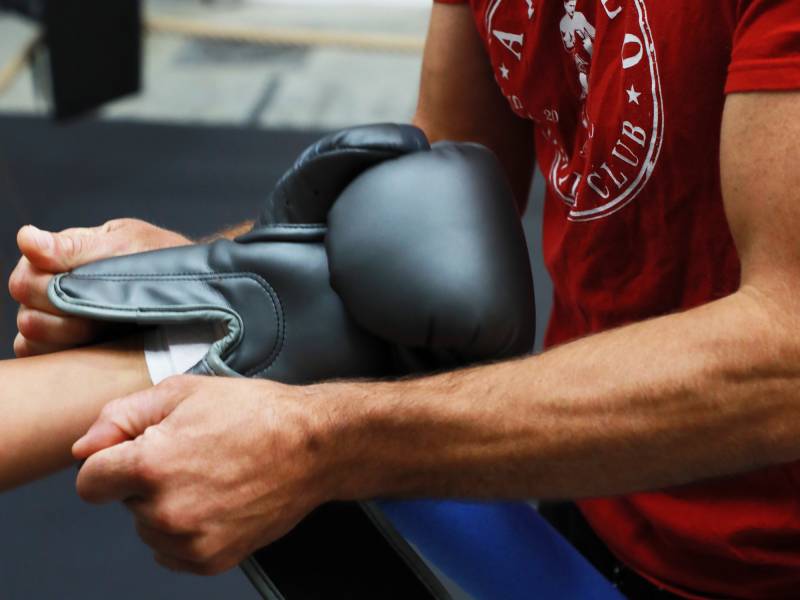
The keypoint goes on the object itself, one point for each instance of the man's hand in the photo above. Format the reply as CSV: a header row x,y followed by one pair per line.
x,y
42,329
212,469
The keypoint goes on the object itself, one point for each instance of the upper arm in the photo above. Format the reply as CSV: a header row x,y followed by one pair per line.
x,y
459,99
760,162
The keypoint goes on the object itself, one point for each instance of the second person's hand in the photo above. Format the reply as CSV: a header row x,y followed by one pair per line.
x,y
41,328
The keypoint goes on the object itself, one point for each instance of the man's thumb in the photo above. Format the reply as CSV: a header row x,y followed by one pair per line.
x,y
127,418
59,252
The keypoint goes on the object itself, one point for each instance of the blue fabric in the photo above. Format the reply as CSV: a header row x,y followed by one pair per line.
x,y
498,550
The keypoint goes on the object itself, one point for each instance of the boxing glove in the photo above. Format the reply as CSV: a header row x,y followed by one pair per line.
x,y
375,255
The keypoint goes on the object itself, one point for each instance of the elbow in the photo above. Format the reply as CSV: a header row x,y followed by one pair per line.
x,y
771,328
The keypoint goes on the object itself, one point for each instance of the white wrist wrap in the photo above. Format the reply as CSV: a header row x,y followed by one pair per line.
x,y
174,349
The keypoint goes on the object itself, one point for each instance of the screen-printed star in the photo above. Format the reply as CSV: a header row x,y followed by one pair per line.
x,y
633,95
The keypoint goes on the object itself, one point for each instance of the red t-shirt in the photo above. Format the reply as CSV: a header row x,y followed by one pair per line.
x,y
627,98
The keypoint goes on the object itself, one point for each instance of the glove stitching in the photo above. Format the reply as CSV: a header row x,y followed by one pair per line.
x,y
221,299
281,320
299,225
203,277
200,275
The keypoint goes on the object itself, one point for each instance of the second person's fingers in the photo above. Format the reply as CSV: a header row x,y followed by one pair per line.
x,y
28,285
44,328
24,347
58,252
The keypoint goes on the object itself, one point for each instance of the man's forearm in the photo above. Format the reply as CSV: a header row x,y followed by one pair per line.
x,y
709,392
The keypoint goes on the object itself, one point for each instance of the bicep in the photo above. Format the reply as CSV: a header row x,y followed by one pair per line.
x,y
460,100
760,167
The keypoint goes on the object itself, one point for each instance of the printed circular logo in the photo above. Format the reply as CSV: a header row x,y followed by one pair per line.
x,y
620,127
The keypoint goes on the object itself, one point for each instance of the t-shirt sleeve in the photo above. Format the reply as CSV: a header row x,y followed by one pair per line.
x,y
766,47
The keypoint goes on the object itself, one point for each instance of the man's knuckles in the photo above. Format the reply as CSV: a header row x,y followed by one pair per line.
x,y
172,519
148,469
118,473
122,416
113,411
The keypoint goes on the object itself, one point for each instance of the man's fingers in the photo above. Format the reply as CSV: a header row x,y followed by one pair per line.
x,y
111,475
120,420
129,417
104,434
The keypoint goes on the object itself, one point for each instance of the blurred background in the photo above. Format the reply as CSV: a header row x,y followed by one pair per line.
x,y
229,92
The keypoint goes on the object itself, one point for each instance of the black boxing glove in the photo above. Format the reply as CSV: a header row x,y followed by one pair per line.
x,y
427,252
375,255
